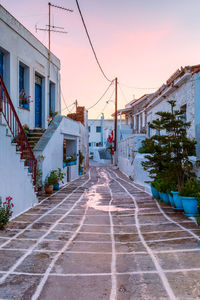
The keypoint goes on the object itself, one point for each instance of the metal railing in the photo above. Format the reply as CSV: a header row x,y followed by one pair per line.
x,y
9,113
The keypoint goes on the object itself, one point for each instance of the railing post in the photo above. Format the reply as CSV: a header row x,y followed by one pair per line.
x,y
8,111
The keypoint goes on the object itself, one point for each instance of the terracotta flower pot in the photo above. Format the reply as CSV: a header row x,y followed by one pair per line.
x,y
48,189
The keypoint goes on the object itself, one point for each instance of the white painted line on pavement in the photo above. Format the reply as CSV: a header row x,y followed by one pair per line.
x,y
64,248
21,259
150,252
45,214
113,293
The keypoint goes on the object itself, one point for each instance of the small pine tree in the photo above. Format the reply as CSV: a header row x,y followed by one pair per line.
x,y
170,148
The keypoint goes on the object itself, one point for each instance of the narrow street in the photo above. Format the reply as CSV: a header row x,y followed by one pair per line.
x,y
100,237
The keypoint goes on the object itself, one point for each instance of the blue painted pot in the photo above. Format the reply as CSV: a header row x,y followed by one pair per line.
x,y
26,106
177,200
64,165
164,197
56,187
171,200
190,206
81,173
155,193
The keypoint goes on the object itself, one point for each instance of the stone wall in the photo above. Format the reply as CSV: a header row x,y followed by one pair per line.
x,y
182,95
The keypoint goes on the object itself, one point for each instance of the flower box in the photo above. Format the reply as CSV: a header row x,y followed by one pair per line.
x,y
71,163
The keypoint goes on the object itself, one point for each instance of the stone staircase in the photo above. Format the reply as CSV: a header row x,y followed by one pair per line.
x,y
34,136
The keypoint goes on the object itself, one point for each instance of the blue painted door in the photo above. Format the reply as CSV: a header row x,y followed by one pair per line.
x,y
1,64
38,105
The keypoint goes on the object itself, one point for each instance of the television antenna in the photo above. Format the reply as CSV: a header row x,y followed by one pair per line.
x,y
51,28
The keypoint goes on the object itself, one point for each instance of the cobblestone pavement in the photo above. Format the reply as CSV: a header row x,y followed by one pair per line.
x,y
100,237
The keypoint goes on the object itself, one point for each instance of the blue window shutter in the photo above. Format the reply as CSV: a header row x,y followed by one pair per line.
x,y
1,64
50,98
21,78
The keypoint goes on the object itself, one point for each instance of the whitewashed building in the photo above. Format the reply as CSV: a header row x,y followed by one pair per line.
x,y
29,92
183,87
100,129
24,66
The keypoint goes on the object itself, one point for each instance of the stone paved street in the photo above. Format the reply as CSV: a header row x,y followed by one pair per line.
x,y
100,237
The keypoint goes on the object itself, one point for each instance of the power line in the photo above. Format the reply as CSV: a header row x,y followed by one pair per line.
x,y
123,94
87,33
67,106
101,96
107,102
139,88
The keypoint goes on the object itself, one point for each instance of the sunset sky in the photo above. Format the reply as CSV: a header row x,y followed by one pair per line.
x,y
142,42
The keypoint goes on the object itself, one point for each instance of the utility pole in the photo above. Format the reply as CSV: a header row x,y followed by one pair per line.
x,y
115,140
50,29
76,103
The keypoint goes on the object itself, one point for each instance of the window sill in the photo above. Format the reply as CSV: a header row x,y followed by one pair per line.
x,y
23,108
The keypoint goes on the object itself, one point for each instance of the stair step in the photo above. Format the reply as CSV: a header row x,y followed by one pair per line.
x,y
35,134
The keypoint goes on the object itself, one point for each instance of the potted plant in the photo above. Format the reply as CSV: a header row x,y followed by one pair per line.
x,y
24,100
39,184
80,169
50,181
162,186
169,150
51,116
71,160
26,129
60,176
189,195
81,158
5,211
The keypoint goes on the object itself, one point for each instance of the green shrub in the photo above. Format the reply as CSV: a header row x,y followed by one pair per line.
x,y
51,179
148,146
190,189
164,185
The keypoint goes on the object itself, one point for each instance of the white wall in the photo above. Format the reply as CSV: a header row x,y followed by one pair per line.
x,y
23,47
107,127
53,151
130,161
182,95
14,178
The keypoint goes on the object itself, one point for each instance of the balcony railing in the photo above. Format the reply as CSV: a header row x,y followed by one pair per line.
x,y
8,111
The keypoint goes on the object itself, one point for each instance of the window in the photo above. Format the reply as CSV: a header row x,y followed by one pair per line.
x,y
148,130
89,128
21,78
1,64
5,67
184,110
89,144
137,122
133,123
24,98
141,122
98,129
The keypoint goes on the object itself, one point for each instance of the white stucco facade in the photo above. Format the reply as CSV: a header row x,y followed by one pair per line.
x,y
20,48
15,181
51,147
106,126
183,95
